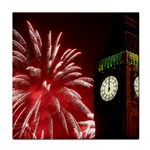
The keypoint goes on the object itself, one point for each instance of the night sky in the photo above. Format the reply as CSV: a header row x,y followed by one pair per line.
x,y
88,32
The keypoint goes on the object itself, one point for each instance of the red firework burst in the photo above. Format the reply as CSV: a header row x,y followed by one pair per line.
x,y
46,103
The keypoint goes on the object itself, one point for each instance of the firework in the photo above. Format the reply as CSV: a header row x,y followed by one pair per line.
x,y
46,104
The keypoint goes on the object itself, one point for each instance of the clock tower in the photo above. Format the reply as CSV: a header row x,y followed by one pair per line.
x,y
116,81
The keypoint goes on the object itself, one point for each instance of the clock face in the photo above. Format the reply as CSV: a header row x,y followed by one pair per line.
x,y
136,86
109,88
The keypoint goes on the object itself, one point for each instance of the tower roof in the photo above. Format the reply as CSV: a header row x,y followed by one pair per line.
x,y
124,33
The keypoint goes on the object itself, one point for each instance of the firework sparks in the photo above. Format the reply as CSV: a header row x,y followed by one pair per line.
x,y
45,101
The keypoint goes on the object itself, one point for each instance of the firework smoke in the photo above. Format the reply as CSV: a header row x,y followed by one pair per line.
x,y
46,104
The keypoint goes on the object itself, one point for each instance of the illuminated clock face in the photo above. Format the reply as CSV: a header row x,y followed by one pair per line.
x,y
109,88
136,86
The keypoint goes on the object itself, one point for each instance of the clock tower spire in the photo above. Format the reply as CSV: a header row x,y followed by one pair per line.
x,y
116,89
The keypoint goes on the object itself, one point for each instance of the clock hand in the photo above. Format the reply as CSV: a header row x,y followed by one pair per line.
x,y
109,85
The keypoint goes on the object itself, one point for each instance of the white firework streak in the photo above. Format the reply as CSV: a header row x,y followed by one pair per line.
x,y
20,39
18,46
90,130
18,117
65,53
19,55
34,71
17,95
30,26
73,57
20,81
39,41
79,82
73,74
18,108
57,66
33,37
20,99
51,127
59,75
69,54
25,77
35,129
56,48
36,111
69,65
75,93
16,58
29,116
37,50
63,121
76,129
43,89
42,134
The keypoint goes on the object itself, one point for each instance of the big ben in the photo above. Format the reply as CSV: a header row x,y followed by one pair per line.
x,y
116,87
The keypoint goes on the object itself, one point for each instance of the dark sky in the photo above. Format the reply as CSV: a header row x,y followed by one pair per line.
x,y
88,32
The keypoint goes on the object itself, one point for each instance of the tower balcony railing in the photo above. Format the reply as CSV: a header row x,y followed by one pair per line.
x,y
118,59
